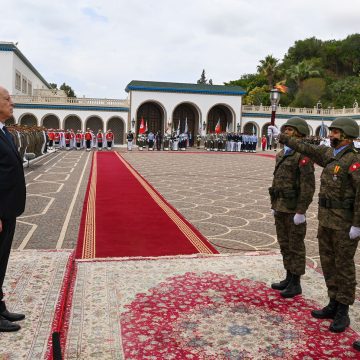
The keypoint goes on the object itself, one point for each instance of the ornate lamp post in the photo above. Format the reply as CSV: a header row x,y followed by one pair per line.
x,y
238,127
274,99
133,124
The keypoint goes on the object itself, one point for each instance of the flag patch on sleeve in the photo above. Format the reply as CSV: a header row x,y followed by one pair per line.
x,y
354,167
304,161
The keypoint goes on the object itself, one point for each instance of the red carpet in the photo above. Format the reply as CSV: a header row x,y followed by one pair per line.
x,y
125,216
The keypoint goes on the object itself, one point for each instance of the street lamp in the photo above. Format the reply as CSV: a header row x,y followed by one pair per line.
x,y
238,127
204,125
274,99
133,123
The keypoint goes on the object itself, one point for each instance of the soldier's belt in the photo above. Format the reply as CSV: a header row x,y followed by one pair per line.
x,y
280,193
335,204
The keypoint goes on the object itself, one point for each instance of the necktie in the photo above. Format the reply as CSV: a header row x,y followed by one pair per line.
x,y
9,137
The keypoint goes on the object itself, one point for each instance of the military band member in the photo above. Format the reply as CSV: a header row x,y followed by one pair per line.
x,y
109,137
130,139
291,193
198,141
339,216
51,136
158,140
166,143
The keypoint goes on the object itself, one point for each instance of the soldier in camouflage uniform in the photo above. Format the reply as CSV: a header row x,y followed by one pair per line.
x,y
291,193
339,216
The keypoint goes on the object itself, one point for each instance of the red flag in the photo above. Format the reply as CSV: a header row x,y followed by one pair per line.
x,y
218,127
142,126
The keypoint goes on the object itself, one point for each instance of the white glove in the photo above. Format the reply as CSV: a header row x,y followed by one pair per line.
x,y
354,232
299,219
273,212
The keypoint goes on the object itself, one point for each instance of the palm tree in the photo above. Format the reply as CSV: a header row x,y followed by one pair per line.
x,y
301,71
269,67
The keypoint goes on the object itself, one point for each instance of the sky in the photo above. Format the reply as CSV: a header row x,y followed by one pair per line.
x,y
98,47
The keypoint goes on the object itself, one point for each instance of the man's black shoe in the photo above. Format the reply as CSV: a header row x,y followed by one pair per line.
x,y
356,345
11,316
8,326
283,283
293,288
341,320
328,312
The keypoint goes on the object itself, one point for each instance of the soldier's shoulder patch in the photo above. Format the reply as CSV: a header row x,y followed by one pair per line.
x,y
354,167
305,160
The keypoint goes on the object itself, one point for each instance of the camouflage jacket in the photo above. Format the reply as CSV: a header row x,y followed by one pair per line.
x,y
339,196
293,184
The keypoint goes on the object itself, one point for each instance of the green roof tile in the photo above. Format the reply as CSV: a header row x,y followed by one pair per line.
x,y
138,85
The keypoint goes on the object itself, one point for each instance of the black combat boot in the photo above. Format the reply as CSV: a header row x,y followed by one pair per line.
x,y
341,320
328,312
283,283
356,345
293,288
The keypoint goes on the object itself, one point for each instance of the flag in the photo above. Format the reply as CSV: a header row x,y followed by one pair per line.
x,y
322,132
142,126
178,129
227,127
218,127
186,126
281,87
146,127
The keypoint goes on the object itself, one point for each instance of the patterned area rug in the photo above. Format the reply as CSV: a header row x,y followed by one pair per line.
x,y
199,307
32,286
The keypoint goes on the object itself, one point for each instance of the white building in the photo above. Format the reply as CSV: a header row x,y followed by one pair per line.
x,y
17,74
164,106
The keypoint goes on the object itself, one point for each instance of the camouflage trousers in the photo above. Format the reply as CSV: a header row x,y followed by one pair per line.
x,y
337,253
291,240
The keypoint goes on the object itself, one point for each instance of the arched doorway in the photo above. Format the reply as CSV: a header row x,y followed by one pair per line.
x,y
322,131
72,122
94,123
153,115
28,120
51,122
250,128
223,113
117,126
186,115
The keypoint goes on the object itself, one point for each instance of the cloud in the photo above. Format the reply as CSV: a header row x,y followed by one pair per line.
x,y
99,47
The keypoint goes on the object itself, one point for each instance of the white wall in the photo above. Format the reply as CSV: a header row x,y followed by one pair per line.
x,y
169,101
7,74
29,75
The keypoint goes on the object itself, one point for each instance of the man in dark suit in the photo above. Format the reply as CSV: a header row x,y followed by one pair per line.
x,y
12,202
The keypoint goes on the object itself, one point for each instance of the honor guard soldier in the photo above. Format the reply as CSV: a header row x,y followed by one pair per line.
x,y
51,136
100,139
78,139
339,216
291,193
130,139
166,143
57,139
67,139
198,141
88,139
158,139
109,137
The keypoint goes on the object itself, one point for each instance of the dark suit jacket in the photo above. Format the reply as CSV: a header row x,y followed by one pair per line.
x,y
12,181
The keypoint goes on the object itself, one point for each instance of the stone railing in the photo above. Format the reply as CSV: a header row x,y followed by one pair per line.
x,y
302,111
20,99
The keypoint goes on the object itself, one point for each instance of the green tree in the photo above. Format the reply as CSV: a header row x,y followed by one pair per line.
x,y
68,90
203,79
303,50
343,92
310,92
258,96
53,86
301,71
269,68
249,81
